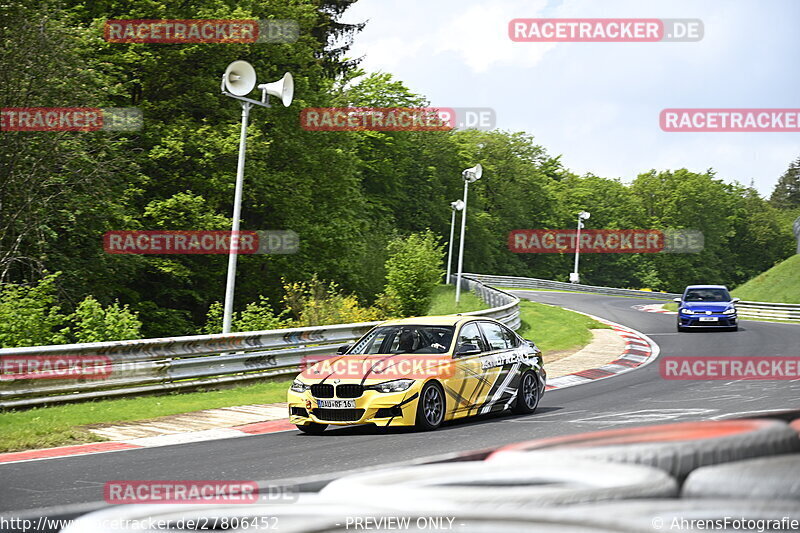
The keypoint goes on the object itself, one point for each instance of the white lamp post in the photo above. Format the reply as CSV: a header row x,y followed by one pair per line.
x,y
574,277
239,80
469,175
458,205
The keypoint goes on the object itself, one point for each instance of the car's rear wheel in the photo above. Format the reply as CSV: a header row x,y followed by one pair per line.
x,y
527,395
430,407
313,428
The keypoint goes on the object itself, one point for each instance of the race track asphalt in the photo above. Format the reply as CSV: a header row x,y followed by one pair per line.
x,y
639,397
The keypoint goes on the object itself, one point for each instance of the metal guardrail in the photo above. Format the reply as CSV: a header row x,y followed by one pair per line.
x,y
769,310
766,310
175,363
534,283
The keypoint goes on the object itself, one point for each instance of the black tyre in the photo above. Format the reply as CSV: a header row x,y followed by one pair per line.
x,y
430,407
528,394
681,329
733,328
313,428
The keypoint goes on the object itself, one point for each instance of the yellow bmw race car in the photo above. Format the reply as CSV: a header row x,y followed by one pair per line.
x,y
419,372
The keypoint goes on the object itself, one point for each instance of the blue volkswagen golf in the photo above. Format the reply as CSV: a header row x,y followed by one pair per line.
x,y
706,306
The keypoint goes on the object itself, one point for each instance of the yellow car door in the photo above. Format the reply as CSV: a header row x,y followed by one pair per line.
x,y
468,388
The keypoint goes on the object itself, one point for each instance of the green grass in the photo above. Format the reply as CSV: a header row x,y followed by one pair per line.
x,y
780,283
45,427
554,329
671,306
443,301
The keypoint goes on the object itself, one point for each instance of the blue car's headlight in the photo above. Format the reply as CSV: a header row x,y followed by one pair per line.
x,y
687,311
397,385
731,311
299,386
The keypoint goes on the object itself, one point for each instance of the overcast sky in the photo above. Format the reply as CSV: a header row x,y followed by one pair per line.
x,y
598,104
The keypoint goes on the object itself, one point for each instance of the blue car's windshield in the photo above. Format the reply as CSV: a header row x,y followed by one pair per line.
x,y
405,339
707,295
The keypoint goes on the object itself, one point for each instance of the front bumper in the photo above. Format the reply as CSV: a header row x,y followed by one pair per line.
x,y
372,407
719,320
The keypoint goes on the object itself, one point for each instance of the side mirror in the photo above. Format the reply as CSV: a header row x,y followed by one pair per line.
x,y
736,300
343,349
678,300
468,349
533,345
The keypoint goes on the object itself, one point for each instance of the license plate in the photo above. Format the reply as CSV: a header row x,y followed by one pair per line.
x,y
708,319
336,404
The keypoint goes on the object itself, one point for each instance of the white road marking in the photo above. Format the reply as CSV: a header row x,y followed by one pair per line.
x,y
644,416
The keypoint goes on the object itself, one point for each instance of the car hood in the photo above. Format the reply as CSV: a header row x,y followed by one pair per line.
x,y
714,307
377,368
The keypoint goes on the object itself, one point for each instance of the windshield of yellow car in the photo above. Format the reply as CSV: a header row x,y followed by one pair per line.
x,y
408,339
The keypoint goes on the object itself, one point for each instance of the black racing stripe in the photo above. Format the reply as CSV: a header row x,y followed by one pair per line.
x,y
372,368
407,400
401,404
501,376
459,398
476,395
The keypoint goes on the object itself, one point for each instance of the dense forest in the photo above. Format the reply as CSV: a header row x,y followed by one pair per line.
x,y
348,195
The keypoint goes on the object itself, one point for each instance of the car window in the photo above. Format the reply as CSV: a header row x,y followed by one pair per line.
x,y
405,339
496,336
470,334
511,337
707,295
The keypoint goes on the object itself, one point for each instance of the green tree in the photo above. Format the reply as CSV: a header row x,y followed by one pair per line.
x,y
786,194
30,316
413,269
93,323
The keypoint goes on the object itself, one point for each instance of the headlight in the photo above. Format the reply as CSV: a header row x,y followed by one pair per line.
x,y
299,386
687,311
731,311
398,385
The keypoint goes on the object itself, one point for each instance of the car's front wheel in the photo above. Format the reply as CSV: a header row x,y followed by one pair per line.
x,y
430,407
527,395
313,428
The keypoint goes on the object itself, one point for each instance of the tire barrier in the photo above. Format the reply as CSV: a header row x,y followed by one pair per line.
x,y
675,448
543,479
765,478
